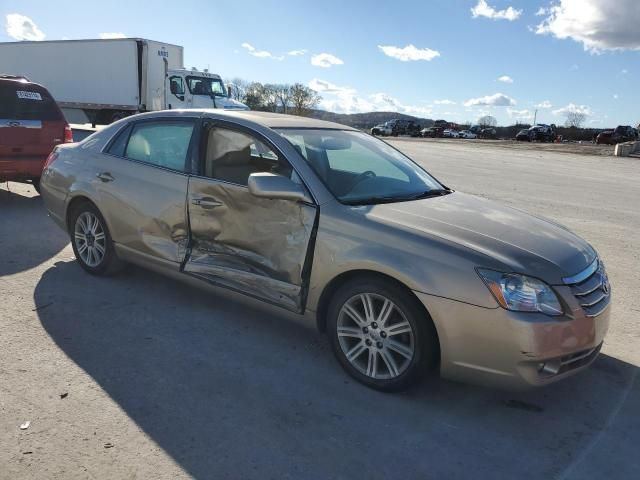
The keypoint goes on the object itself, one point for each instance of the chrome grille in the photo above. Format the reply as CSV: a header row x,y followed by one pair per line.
x,y
592,289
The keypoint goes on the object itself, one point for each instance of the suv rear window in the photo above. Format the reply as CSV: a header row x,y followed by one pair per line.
x,y
26,101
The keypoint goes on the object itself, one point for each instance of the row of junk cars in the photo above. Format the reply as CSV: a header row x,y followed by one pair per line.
x,y
536,133
440,129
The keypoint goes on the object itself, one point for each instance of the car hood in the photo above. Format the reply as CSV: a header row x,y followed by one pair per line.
x,y
517,241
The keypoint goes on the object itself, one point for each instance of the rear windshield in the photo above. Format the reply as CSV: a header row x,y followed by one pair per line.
x,y
24,101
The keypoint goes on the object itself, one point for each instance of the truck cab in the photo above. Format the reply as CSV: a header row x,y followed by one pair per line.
x,y
195,89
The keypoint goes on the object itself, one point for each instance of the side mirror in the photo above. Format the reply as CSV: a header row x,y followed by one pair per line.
x,y
268,185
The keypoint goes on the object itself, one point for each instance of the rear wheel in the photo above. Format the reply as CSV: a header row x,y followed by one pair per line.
x,y
91,241
381,335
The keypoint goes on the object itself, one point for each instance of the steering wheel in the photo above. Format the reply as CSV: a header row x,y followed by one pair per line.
x,y
363,176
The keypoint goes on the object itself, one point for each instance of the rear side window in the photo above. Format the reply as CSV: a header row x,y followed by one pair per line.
x,y
162,143
120,143
25,101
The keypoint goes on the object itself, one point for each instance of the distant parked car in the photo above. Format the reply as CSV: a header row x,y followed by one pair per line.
x,y
31,125
382,130
488,133
403,127
542,133
433,132
448,133
621,134
467,134
523,135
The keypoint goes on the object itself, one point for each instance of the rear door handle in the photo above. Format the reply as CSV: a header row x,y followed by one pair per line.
x,y
206,202
105,176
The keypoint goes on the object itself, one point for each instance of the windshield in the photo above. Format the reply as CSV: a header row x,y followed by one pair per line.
x,y
206,86
360,169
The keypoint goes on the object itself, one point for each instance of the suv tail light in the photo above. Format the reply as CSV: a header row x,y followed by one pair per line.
x,y
68,134
52,156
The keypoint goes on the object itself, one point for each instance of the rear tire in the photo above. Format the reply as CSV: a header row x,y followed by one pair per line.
x,y
91,241
381,334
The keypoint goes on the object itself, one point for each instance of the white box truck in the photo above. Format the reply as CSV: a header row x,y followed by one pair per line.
x,y
100,81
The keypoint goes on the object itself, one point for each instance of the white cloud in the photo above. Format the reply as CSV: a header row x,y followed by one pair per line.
x,y
483,9
20,27
260,53
111,35
541,12
347,100
598,24
495,100
544,104
296,53
624,71
325,60
572,108
616,96
409,53
520,114
444,102
505,79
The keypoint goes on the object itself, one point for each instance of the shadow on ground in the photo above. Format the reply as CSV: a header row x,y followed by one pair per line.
x,y
18,216
231,392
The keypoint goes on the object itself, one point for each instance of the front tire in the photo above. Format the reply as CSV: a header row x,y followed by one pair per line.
x,y
381,334
91,241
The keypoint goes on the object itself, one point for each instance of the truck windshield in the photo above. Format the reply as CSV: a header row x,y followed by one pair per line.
x,y
206,86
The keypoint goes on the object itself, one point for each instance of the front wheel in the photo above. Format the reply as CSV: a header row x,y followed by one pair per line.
x,y
381,335
91,241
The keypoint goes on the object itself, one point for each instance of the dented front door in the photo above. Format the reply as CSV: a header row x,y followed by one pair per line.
x,y
253,245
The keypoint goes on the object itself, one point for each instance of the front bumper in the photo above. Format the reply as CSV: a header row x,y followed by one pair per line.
x,y
512,350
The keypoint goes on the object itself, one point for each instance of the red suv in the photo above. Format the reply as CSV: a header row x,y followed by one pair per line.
x,y
31,125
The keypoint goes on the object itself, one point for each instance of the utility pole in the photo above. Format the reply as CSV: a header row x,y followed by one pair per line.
x,y
535,115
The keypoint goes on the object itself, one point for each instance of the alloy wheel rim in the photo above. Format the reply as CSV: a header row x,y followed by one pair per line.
x,y
375,336
90,239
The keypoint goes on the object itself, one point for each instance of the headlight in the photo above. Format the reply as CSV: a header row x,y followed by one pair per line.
x,y
520,293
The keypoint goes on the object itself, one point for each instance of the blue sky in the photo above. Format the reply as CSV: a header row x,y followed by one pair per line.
x,y
558,56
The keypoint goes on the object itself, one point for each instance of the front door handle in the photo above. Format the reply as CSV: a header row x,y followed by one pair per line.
x,y
206,202
105,176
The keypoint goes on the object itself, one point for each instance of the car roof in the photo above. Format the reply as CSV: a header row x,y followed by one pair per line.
x,y
267,119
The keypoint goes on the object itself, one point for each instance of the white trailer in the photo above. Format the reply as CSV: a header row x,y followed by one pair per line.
x,y
100,81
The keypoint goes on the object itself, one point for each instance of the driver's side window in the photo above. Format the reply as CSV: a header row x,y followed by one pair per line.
x,y
176,85
232,155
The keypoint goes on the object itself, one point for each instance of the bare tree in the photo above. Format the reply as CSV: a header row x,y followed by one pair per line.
x,y
487,121
238,88
254,96
575,119
282,94
303,99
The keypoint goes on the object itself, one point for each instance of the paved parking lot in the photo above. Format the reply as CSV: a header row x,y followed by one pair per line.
x,y
137,376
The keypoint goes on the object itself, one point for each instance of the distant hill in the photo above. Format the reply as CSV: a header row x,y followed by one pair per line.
x,y
368,119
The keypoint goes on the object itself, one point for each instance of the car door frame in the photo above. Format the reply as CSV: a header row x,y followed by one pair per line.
x,y
197,169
